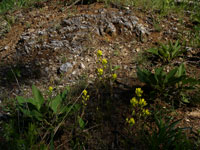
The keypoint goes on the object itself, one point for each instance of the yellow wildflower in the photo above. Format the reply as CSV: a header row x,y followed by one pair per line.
x,y
85,97
142,102
99,53
138,92
146,112
104,62
50,88
131,121
100,71
134,101
84,92
114,76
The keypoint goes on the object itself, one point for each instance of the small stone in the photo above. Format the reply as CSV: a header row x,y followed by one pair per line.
x,y
187,120
91,76
74,72
82,66
137,49
31,30
65,67
6,47
111,30
46,69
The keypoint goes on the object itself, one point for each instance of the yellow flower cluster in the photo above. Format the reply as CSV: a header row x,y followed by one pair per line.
x,y
145,112
114,76
138,105
85,97
100,71
142,102
138,92
134,101
99,53
130,121
103,62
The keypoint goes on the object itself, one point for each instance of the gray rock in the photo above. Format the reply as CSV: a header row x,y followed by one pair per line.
x,y
73,32
110,29
65,67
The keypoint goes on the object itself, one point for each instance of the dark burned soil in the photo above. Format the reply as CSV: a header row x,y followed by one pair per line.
x,y
52,45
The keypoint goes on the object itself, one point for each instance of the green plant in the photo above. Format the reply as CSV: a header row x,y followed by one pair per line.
x,y
164,83
35,107
10,5
156,25
166,135
195,37
16,137
167,52
45,116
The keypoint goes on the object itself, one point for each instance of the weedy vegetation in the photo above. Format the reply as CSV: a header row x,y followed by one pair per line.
x,y
167,52
105,114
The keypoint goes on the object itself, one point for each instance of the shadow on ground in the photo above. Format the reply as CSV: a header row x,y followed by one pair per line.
x,y
12,74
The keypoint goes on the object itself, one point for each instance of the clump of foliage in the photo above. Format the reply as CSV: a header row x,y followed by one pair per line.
x,y
167,52
166,83
166,135
37,120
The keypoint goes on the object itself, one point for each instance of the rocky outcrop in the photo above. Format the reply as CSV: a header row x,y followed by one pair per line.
x,y
72,33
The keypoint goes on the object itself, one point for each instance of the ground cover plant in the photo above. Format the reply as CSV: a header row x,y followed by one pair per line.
x,y
165,84
127,93
167,52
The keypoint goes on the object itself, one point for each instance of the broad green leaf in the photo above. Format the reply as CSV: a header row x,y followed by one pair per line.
x,y
163,55
22,100
64,94
181,71
143,75
81,122
160,76
170,75
63,109
153,51
37,97
55,103
36,114
116,67
32,114
185,100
